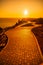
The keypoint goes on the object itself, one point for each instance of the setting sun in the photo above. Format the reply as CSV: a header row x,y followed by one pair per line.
x,y
21,9
25,12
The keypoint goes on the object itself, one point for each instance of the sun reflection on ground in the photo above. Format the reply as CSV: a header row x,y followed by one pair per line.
x,y
25,30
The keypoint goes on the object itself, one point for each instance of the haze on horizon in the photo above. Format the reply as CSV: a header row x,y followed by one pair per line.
x,y
16,8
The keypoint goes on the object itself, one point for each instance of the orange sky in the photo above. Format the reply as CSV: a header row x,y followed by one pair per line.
x,y
15,8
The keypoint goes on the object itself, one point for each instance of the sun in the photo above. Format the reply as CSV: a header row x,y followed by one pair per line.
x,y
25,12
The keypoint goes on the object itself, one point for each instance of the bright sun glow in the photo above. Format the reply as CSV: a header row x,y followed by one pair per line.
x,y
25,12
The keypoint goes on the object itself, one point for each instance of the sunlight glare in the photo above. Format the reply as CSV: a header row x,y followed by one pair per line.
x,y
25,12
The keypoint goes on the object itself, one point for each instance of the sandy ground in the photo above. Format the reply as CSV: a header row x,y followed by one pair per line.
x,y
22,48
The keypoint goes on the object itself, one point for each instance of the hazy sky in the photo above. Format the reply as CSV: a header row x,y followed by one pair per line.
x,y
16,8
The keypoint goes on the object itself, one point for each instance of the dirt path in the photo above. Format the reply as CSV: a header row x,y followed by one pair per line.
x,y
21,49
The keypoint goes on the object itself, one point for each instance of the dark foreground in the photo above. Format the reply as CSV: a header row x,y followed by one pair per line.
x,y
38,32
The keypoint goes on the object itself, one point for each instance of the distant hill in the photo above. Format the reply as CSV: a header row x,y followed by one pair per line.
x,y
18,21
